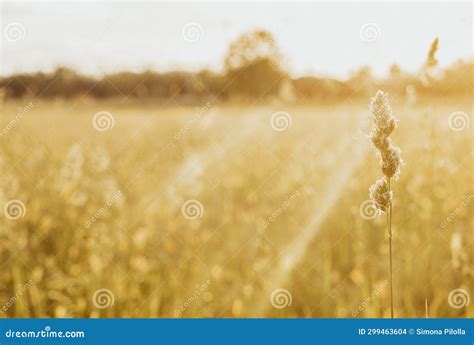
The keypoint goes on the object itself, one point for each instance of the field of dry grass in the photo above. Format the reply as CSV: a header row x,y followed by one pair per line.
x,y
220,212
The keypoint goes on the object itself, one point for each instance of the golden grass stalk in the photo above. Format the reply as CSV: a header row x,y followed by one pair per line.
x,y
390,161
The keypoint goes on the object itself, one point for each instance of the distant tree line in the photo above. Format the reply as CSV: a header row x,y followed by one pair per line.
x,y
253,72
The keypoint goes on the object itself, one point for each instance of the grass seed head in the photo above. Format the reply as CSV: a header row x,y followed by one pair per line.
x,y
390,155
391,161
381,112
380,194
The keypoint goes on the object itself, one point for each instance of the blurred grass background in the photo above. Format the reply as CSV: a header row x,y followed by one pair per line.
x,y
276,165
242,171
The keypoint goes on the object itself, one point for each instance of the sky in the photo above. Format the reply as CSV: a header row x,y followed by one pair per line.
x,y
323,38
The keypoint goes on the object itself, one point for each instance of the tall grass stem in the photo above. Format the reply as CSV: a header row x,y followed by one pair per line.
x,y
389,224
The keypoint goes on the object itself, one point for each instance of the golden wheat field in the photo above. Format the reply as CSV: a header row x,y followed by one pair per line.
x,y
231,211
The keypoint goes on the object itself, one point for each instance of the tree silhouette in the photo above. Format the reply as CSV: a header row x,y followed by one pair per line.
x,y
252,66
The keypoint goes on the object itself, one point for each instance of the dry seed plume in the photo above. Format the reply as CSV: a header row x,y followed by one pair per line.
x,y
431,60
390,161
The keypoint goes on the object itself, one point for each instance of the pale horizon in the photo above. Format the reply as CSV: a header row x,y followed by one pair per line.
x,y
96,38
